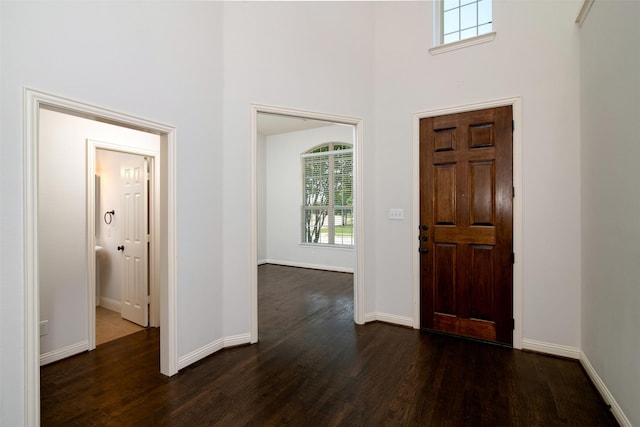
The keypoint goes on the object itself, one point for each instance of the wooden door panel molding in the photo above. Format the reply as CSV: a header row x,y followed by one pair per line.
x,y
479,235
466,179
482,183
444,278
445,194
473,328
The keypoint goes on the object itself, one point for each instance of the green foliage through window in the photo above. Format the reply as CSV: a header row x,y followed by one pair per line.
x,y
327,211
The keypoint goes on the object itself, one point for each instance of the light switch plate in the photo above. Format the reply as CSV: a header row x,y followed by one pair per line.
x,y
396,214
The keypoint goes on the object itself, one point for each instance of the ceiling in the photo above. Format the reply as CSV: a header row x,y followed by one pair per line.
x,y
274,124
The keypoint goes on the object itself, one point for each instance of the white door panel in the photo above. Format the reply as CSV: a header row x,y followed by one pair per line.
x,y
135,306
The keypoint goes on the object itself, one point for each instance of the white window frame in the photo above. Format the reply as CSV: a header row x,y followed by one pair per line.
x,y
440,47
331,206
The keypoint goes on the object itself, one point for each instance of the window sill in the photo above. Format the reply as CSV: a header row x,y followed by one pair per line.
x,y
327,246
484,38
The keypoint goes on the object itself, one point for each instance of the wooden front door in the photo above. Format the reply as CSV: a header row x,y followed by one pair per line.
x,y
466,227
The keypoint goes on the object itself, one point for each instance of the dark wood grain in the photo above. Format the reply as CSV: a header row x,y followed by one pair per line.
x,y
466,182
314,366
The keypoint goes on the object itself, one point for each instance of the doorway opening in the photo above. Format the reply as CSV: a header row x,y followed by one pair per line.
x,y
336,243
36,238
125,212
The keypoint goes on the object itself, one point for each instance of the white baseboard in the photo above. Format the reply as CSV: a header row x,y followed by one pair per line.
x,y
604,391
550,348
200,353
263,261
110,304
211,348
388,318
307,265
62,353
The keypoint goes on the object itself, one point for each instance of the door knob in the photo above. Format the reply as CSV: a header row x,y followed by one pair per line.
x,y
424,251
121,248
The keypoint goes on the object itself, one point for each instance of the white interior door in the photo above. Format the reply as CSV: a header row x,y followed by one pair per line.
x,y
135,285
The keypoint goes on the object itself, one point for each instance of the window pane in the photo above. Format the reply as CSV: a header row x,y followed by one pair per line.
x,y
484,29
463,19
344,227
471,32
450,4
484,11
450,38
451,21
468,17
327,204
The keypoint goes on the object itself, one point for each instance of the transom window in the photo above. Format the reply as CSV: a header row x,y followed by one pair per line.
x,y
327,200
463,19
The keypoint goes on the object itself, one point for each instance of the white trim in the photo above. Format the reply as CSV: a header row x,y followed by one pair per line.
x,y
64,352
604,391
471,41
516,104
109,304
236,340
389,318
33,100
551,348
584,12
358,292
326,153
213,347
306,265
200,353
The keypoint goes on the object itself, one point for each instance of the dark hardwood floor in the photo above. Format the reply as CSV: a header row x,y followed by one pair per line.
x,y
314,366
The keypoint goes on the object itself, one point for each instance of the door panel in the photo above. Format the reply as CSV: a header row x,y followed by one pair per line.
x,y
466,224
134,304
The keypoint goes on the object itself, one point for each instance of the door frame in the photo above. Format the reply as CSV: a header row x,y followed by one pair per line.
x,y
516,104
33,100
358,279
154,216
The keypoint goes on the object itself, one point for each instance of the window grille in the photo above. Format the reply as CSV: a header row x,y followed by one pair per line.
x,y
463,19
327,208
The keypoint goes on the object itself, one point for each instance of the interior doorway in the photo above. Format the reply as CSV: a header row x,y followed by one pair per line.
x,y
35,236
125,212
336,133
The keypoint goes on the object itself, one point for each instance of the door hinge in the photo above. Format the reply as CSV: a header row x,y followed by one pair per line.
x,y
513,258
513,192
513,324
513,125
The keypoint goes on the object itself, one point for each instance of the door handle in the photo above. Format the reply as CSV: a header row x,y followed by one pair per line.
x,y
121,248
424,250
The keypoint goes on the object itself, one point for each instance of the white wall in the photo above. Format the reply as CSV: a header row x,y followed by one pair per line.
x,y
538,62
610,88
284,198
161,61
199,65
62,220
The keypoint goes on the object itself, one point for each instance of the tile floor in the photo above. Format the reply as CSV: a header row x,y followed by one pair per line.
x,y
110,326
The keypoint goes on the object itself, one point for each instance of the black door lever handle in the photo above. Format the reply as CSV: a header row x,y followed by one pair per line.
x,y
121,248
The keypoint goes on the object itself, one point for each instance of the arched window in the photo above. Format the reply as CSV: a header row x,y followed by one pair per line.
x,y
327,200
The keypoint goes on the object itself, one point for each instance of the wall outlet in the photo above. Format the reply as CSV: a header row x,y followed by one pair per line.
x,y
396,214
44,328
